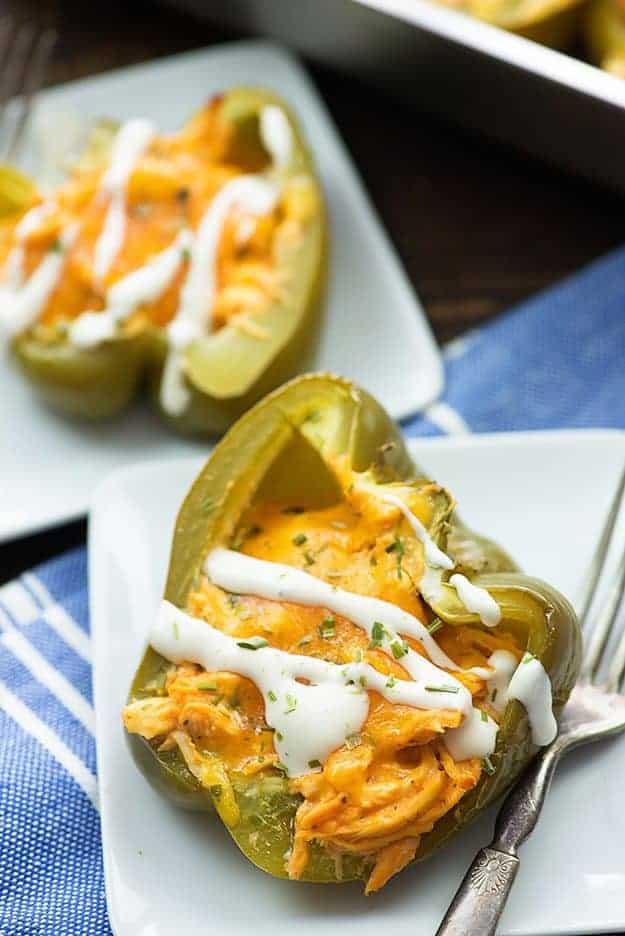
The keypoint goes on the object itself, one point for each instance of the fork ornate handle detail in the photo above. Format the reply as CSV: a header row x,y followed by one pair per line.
x,y
481,898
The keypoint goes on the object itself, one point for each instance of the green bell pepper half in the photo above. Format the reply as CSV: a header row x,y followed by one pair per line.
x,y
283,444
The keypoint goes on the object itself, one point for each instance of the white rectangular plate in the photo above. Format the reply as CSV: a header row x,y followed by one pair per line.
x,y
375,331
170,873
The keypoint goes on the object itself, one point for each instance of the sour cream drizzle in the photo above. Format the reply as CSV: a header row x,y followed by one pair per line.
x,y
14,310
433,555
529,683
141,286
22,301
33,219
476,600
503,664
245,575
254,195
276,135
312,720
475,737
532,687
130,142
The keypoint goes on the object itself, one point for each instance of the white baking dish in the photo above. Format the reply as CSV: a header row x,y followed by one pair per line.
x,y
549,104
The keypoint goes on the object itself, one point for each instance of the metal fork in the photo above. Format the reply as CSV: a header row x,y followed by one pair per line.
x,y
595,709
25,50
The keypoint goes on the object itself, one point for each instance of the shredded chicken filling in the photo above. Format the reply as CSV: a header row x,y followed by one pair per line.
x,y
387,786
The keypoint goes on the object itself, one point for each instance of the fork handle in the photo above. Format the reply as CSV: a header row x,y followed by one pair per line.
x,y
482,895
480,899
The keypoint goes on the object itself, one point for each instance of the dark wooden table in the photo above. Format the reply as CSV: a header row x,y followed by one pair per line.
x,y
477,226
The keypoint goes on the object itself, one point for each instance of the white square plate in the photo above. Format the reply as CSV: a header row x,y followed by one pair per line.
x,y
170,873
374,332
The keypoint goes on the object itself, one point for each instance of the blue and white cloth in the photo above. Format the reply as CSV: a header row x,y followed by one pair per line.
x,y
556,361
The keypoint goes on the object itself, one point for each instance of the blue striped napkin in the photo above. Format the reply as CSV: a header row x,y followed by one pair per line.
x,y
556,361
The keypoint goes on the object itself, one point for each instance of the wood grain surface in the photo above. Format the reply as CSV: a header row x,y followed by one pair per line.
x,y
478,227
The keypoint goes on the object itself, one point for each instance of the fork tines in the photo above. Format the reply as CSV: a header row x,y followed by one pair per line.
x,y
605,619
24,53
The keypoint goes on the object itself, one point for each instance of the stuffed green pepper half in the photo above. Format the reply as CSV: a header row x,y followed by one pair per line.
x,y
339,667
193,262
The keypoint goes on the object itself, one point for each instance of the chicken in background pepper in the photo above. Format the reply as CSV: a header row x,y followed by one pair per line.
x,y
194,261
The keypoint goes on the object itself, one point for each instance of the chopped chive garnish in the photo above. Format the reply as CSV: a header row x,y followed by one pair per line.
x,y
56,246
434,625
398,548
373,561
352,740
399,649
305,640
186,254
488,766
175,629
272,696
246,645
279,735
528,657
282,767
363,681
207,505
215,791
390,682
309,558
300,539
209,686
453,689
314,764
377,633
484,716
493,695
291,702
326,628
